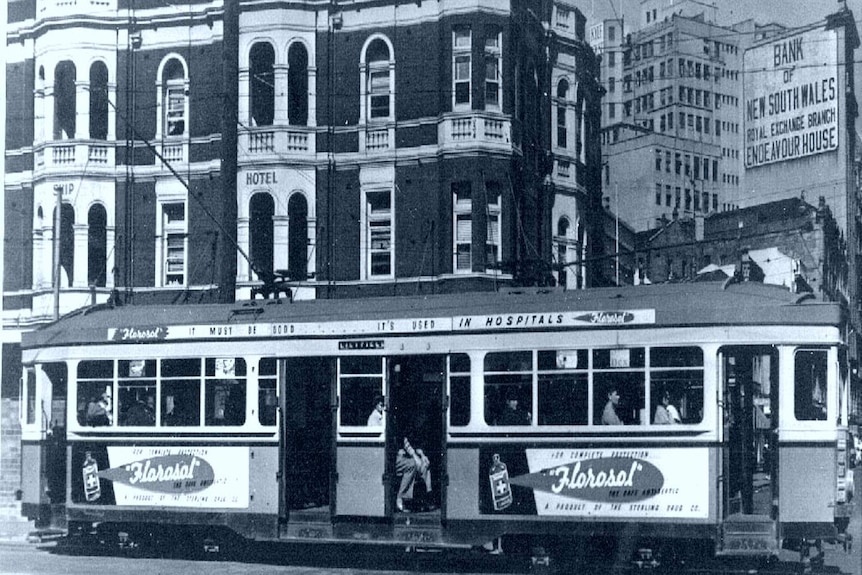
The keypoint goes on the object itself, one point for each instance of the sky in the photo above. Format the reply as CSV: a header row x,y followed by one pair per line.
x,y
787,12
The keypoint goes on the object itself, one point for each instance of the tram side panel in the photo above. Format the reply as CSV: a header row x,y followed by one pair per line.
x,y
662,491
231,485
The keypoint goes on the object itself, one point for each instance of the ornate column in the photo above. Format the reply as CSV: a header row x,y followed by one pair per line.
x,y
80,266
243,269
82,110
281,98
110,239
280,235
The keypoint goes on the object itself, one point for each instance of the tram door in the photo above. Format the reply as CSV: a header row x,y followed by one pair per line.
x,y
43,451
307,437
416,400
750,454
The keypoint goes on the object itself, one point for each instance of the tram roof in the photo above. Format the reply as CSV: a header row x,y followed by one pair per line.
x,y
683,304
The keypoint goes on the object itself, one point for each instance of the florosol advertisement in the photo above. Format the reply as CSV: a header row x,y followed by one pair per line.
x,y
602,483
161,476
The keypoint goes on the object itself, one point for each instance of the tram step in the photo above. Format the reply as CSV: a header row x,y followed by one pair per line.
x,y
426,519
748,535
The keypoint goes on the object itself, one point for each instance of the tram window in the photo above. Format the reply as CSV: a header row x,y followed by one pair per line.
x,y
94,402
136,392
225,395
361,365
810,385
683,391
629,407
30,382
676,357
267,398
361,381
619,358
563,359
563,399
509,388
676,395
509,361
459,389
181,392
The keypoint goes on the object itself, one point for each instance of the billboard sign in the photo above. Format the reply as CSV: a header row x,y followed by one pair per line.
x,y
791,94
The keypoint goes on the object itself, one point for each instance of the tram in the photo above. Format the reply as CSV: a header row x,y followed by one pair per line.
x,y
702,413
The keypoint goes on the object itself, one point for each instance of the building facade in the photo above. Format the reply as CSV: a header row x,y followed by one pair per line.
x,y
380,148
680,120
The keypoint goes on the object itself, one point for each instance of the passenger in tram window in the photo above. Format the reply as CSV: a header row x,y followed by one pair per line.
x,y
665,412
609,415
99,411
172,412
375,419
142,413
410,463
511,414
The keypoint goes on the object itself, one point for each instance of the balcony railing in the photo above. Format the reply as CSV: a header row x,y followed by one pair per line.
x,y
377,140
275,141
67,154
473,130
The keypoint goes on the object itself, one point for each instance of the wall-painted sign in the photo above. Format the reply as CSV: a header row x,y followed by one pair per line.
x,y
791,98
597,37
606,483
179,476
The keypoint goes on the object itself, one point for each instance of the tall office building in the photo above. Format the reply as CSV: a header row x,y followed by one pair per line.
x,y
674,151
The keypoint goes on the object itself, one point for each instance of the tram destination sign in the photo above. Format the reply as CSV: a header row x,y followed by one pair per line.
x,y
791,95
492,322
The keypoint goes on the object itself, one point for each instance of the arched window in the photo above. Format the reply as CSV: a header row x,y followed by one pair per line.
x,y
297,255
97,246
64,100
67,244
174,98
297,85
379,81
99,101
262,84
563,247
261,211
562,131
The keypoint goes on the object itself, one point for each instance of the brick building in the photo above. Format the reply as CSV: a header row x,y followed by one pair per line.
x,y
381,148
787,242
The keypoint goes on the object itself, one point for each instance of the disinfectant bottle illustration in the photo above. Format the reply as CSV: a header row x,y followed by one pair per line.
x,y
90,470
501,490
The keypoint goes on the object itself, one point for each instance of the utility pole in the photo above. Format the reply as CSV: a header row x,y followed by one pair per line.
x,y
58,218
227,258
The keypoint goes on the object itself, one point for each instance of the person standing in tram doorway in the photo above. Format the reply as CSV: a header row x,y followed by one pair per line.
x,y
411,463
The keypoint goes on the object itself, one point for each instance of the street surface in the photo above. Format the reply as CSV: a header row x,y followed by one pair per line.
x,y
56,558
